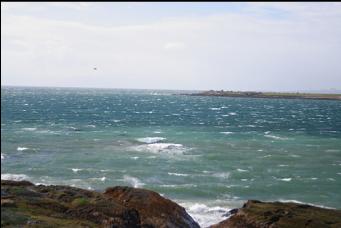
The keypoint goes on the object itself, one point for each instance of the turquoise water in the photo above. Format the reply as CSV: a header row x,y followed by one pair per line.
x,y
207,153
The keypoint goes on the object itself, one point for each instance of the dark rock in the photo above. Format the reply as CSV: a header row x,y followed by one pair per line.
x,y
24,204
257,214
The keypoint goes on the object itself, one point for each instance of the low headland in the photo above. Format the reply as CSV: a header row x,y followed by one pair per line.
x,y
24,204
273,95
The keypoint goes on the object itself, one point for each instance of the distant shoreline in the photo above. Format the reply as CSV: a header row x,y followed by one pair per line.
x,y
271,95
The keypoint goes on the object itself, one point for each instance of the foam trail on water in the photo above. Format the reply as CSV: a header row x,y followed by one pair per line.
x,y
178,174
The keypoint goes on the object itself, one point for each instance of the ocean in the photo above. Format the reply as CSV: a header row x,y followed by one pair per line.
x,y
208,154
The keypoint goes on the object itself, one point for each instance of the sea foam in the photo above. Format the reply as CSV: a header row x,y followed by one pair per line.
x,y
205,215
164,148
15,177
178,174
22,148
275,137
150,139
226,132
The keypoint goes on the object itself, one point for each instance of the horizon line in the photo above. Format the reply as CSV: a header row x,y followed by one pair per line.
x,y
337,91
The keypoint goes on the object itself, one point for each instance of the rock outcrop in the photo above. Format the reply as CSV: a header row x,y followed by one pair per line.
x,y
256,214
25,204
153,208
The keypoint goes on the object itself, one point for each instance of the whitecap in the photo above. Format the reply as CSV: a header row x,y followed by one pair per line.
x,y
332,150
214,109
167,148
150,139
275,137
29,128
178,185
22,148
134,158
75,170
226,132
242,170
99,179
178,174
133,181
221,175
232,113
15,177
286,179
294,156
3,156
157,132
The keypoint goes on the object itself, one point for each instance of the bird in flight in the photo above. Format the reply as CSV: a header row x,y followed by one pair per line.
x,y
95,68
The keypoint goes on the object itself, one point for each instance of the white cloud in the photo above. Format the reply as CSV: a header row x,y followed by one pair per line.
x,y
223,51
174,45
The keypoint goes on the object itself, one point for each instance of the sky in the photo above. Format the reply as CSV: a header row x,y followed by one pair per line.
x,y
175,45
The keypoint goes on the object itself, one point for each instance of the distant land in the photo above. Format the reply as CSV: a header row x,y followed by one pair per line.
x,y
273,95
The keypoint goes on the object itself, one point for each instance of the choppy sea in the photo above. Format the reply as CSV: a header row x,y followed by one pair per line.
x,y
209,154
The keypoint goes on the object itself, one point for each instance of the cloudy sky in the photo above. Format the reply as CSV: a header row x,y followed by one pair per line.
x,y
230,46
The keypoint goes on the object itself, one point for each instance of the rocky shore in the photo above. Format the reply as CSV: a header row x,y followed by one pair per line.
x,y
24,204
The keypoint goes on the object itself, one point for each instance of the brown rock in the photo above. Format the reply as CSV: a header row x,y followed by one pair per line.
x,y
154,210
257,214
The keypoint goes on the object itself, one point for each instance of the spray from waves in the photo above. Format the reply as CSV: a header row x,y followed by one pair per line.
x,y
15,177
133,181
206,215
150,139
